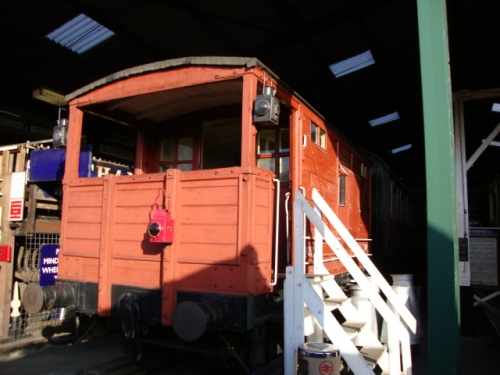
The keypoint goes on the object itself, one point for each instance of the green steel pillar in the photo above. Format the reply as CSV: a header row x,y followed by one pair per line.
x,y
443,291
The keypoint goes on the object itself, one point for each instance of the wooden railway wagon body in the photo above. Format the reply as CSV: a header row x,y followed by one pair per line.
x,y
220,147
398,223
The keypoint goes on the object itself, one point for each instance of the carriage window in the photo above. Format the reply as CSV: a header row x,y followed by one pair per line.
x,y
221,143
273,147
176,153
318,135
185,149
266,142
167,150
267,163
285,140
284,168
322,138
314,132
342,181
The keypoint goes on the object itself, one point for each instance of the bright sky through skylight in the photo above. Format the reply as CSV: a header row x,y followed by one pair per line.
x,y
352,64
80,34
493,143
400,149
384,119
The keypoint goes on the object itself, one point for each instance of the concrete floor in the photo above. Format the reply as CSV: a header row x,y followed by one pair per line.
x,y
479,348
37,358
480,354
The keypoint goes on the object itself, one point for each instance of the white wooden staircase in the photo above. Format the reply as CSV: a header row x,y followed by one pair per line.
x,y
318,310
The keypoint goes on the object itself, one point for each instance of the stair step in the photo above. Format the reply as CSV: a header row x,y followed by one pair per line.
x,y
319,278
352,328
372,354
333,303
353,324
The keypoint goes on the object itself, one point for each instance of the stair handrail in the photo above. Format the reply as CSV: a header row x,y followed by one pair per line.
x,y
362,257
397,332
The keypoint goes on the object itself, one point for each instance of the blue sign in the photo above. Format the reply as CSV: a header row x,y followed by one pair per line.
x,y
48,266
48,164
100,168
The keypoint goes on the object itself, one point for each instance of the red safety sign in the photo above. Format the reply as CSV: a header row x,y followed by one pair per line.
x,y
5,253
16,210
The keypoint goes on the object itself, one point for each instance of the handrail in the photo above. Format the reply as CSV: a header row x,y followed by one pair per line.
x,y
365,261
287,227
296,292
276,235
346,260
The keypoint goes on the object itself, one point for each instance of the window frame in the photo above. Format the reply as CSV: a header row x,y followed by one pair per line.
x,y
318,135
277,154
169,164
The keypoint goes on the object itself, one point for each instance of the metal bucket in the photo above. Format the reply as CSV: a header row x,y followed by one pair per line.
x,y
318,358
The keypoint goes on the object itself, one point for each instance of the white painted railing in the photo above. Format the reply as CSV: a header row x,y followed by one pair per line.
x,y
398,336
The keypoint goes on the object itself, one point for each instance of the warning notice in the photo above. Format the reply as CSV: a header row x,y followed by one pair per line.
x,y
49,261
16,210
484,248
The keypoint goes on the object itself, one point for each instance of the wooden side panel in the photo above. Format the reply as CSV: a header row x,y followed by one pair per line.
x,y
104,238
134,272
134,260
263,207
78,268
223,236
208,221
133,207
321,167
223,233
81,227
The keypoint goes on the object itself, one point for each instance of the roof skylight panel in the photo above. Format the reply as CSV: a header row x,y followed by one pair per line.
x,y
352,64
384,119
401,149
80,34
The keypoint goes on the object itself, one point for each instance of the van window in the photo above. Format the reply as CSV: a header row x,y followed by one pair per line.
x,y
273,151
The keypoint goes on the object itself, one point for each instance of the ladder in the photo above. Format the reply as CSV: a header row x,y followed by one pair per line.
x,y
310,300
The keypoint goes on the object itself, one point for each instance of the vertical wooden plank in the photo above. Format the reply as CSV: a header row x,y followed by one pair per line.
x,y
74,142
106,246
296,152
248,131
170,269
139,153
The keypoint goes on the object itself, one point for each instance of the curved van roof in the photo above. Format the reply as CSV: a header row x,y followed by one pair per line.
x,y
249,62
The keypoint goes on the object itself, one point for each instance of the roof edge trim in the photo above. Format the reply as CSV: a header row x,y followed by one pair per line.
x,y
249,62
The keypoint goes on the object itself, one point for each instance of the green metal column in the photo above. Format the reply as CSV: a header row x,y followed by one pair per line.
x,y
443,292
